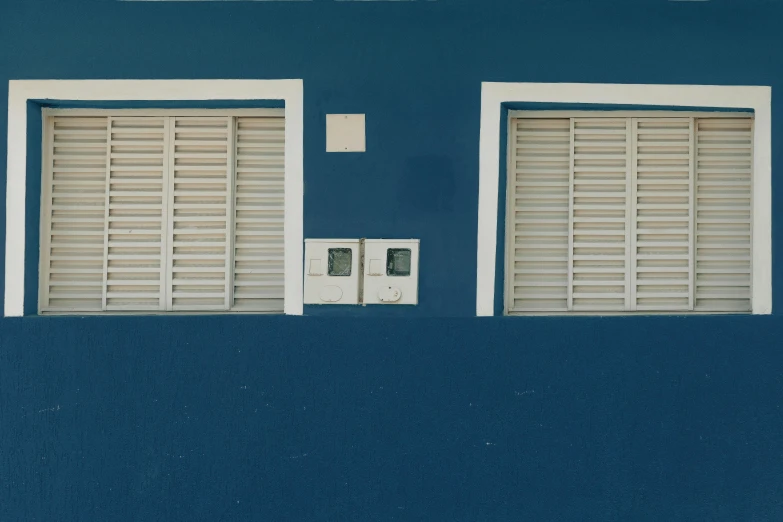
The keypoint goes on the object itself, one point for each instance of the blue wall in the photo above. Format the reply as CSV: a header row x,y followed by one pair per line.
x,y
432,415
429,419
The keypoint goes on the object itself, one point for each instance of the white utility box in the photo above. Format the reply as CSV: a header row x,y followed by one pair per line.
x,y
391,271
332,271
345,133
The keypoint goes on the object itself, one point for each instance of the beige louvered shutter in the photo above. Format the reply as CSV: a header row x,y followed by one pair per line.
x,y
258,214
199,213
538,194
662,211
723,214
136,218
601,228
74,198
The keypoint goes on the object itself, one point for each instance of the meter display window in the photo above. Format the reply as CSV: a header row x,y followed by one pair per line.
x,y
398,262
340,261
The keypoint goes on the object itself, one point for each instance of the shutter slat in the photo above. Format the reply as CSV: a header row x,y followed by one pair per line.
x,y
135,268
204,145
723,282
538,189
258,213
660,252
600,212
72,242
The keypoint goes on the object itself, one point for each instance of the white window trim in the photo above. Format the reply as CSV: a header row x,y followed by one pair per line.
x,y
20,91
756,98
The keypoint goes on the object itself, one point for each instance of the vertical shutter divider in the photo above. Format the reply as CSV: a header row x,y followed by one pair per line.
x,y
168,204
630,222
106,216
230,194
692,216
570,280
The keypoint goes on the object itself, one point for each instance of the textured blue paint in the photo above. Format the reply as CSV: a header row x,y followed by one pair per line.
x,y
191,419
431,415
415,70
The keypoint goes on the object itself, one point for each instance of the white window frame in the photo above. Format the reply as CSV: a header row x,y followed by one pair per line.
x,y
755,98
21,91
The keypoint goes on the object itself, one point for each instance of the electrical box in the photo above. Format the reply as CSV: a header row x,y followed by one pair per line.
x,y
391,271
332,271
345,133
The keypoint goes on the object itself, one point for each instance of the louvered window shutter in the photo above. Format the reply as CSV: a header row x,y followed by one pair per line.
x,y
653,214
135,246
259,214
72,252
199,213
599,261
163,213
723,214
662,174
538,215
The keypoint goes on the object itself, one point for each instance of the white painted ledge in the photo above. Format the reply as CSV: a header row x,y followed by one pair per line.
x,y
757,98
20,91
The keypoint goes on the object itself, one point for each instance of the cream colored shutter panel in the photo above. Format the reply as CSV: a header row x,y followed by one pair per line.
x,y
723,214
136,220
599,255
663,203
199,213
74,195
538,192
259,212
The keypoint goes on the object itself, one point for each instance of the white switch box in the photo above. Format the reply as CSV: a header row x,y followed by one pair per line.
x,y
345,133
391,271
332,271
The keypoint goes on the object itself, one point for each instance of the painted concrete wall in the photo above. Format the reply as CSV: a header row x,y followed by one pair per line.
x,y
429,419
433,414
